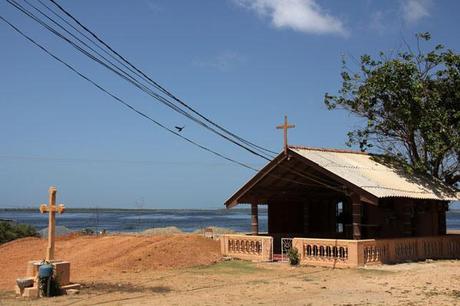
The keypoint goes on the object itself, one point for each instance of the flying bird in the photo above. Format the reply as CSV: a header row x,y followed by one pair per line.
x,y
179,128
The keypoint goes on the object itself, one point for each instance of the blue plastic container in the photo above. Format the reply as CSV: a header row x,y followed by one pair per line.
x,y
45,271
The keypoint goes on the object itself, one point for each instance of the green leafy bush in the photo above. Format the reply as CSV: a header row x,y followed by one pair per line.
x,y
293,256
87,231
10,231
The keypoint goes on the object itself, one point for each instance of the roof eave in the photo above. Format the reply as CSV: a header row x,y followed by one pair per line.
x,y
234,199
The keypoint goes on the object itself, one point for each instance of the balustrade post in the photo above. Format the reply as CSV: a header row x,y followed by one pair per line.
x,y
224,245
355,259
298,244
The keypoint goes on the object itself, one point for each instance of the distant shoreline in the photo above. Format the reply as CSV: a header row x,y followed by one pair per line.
x,y
132,209
262,208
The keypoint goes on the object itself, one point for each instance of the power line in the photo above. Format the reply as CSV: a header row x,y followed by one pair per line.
x,y
127,105
102,160
154,82
141,74
122,73
133,80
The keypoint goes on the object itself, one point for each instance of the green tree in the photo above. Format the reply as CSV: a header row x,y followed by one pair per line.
x,y
410,103
10,231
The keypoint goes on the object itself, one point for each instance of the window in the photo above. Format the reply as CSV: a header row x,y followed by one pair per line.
x,y
339,217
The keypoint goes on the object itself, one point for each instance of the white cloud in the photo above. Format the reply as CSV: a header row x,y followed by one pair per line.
x,y
153,6
378,22
414,10
223,61
299,15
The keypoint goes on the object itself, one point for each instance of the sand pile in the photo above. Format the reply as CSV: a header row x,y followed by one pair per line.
x,y
169,230
216,230
60,231
92,257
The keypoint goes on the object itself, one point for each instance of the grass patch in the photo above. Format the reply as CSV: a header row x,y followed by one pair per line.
x,y
229,267
374,272
6,294
259,282
9,298
125,288
432,292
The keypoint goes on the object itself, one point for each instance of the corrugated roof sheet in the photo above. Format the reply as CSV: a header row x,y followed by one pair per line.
x,y
381,180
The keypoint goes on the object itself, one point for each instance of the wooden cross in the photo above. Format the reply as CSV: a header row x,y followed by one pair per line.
x,y
52,209
285,127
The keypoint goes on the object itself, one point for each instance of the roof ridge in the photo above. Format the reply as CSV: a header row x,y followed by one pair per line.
x,y
328,150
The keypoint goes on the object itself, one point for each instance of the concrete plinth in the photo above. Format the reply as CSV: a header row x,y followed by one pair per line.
x,y
31,292
19,291
61,270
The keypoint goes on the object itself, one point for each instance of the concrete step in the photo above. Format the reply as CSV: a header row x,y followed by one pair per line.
x,y
32,292
279,257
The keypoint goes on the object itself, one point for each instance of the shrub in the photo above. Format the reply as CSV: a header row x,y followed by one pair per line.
x,y
10,231
293,255
87,231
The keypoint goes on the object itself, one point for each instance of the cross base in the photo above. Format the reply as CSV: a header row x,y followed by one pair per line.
x,y
28,286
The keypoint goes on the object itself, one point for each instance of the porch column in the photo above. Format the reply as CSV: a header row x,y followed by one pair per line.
x,y
442,218
356,211
254,219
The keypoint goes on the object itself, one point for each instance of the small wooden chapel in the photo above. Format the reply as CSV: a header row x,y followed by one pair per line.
x,y
343,195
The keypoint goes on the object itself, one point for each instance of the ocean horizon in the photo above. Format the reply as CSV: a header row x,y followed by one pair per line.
x,y
136,220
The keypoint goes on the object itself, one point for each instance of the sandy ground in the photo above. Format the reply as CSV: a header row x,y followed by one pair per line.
x,y
106,257
198,281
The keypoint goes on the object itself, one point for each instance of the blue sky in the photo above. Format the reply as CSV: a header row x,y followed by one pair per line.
x,y
243,63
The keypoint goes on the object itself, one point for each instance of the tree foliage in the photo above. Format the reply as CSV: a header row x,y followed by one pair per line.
x,y
411,106
9,231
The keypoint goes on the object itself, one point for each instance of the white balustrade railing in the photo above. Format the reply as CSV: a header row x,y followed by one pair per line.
x,y
346,253
410,249
247,247
325,252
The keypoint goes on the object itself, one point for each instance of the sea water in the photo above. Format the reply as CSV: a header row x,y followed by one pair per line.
x,y
188,220
134,220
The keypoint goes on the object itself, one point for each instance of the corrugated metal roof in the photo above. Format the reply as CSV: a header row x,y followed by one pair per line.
x,y
379,179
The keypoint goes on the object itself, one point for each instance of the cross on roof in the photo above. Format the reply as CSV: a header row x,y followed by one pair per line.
x,y
285,127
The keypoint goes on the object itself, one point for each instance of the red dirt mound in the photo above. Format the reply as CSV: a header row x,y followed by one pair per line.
x,y
93,257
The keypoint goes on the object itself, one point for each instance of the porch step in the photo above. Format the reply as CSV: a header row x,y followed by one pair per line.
x,y
278,257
